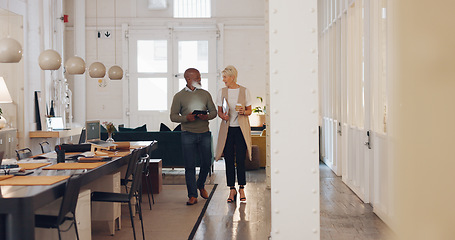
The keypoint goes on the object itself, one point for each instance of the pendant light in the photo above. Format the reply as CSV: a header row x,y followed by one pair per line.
x,y
10,49
75,65
115,72
97,69
49,60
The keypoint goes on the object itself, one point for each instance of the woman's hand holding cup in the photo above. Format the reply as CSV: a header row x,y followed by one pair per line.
x,y
239,108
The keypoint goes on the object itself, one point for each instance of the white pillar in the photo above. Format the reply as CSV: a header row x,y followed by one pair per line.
x,y
79,94
294,119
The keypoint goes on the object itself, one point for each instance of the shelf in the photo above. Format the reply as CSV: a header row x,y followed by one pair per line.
x,y
55,134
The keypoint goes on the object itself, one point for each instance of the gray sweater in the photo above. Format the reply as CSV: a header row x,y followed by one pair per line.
x,y
185,102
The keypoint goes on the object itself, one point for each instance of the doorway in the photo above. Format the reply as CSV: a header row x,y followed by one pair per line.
x,y
157,60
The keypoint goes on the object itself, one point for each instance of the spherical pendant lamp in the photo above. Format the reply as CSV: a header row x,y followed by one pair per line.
x,y
115,73
50,60
97,70
75,65
10,50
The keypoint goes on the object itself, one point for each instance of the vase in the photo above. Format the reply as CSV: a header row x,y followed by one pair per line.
x,y
109,138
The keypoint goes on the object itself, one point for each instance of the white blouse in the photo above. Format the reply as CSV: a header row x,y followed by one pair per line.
x,y
233,96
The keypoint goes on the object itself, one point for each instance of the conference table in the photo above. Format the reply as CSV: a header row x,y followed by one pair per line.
x,y
19,203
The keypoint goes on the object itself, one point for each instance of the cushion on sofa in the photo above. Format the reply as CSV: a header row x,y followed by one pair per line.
x,y
142,128
165,128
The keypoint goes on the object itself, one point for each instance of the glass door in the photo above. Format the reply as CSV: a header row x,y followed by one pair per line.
x,y
157,61
196,51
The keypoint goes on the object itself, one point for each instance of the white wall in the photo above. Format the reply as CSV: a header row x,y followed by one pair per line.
x,y
244,46
245,49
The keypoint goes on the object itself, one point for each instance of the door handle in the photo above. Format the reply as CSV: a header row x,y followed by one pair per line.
x,y
367,143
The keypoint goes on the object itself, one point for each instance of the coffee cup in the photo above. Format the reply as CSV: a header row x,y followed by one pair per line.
x,y
238,106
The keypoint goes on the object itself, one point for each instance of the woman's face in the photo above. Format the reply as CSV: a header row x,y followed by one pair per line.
x,y
228,80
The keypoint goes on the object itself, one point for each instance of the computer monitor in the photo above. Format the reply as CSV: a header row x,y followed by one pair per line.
x,y
92,131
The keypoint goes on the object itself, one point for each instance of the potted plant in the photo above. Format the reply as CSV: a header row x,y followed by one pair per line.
x,y
257,118
2,120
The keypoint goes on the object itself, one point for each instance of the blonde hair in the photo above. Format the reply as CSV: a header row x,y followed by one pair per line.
x,y
230,71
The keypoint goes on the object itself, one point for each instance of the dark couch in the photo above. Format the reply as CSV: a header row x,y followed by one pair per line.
x,y
169,145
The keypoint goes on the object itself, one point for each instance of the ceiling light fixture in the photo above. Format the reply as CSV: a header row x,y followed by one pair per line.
x,y
10,49
49,60
115,72
97,69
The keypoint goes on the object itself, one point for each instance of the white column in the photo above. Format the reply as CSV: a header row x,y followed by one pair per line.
x,y
294,119
79,94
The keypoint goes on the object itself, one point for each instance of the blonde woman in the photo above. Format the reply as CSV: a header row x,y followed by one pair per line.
x,y
234,139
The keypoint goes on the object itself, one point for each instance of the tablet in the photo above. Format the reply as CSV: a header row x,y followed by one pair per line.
x,y
199,112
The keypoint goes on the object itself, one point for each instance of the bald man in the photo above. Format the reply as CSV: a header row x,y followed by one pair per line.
x,y
196,137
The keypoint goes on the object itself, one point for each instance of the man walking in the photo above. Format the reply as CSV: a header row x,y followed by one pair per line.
x,y
193,107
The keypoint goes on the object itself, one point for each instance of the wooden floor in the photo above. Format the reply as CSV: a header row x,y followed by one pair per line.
x,y
343,214
239,221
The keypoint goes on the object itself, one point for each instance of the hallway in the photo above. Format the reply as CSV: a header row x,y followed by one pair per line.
x,y
344,215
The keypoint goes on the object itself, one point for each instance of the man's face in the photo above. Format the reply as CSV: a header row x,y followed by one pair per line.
x,y
193,76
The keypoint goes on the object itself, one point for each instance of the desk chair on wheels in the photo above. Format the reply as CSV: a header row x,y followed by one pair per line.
x,y
68,207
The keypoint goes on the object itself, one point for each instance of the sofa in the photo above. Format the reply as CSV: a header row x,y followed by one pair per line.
x,y
169,145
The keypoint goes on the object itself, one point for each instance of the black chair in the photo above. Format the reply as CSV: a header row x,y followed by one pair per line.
x,y
134,158
67,209
146,174
126,197
23,153
45,147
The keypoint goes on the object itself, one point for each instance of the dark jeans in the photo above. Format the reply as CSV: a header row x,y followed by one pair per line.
x,y
192,144
235,152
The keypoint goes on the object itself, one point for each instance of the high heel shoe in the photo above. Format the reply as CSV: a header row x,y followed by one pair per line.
x,y
231,200
242,199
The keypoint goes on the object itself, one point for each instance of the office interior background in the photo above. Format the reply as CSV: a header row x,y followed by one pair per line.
x,y
376,77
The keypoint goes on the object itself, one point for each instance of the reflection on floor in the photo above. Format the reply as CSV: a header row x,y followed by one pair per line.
x,y
344,215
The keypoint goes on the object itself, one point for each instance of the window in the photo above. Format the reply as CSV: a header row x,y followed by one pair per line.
x,y
193,54
152,56
152,94
192,9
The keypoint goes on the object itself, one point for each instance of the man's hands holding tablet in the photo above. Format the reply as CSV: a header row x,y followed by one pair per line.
x,y
197,114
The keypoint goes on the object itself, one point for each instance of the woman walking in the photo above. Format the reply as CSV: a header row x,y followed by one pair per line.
x,y
234,139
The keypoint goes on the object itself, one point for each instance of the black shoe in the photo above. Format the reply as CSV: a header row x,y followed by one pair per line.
x,y
242,199
231,200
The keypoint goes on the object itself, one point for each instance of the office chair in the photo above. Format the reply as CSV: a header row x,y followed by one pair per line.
x,y
45,147
23,153
68,206
126,197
